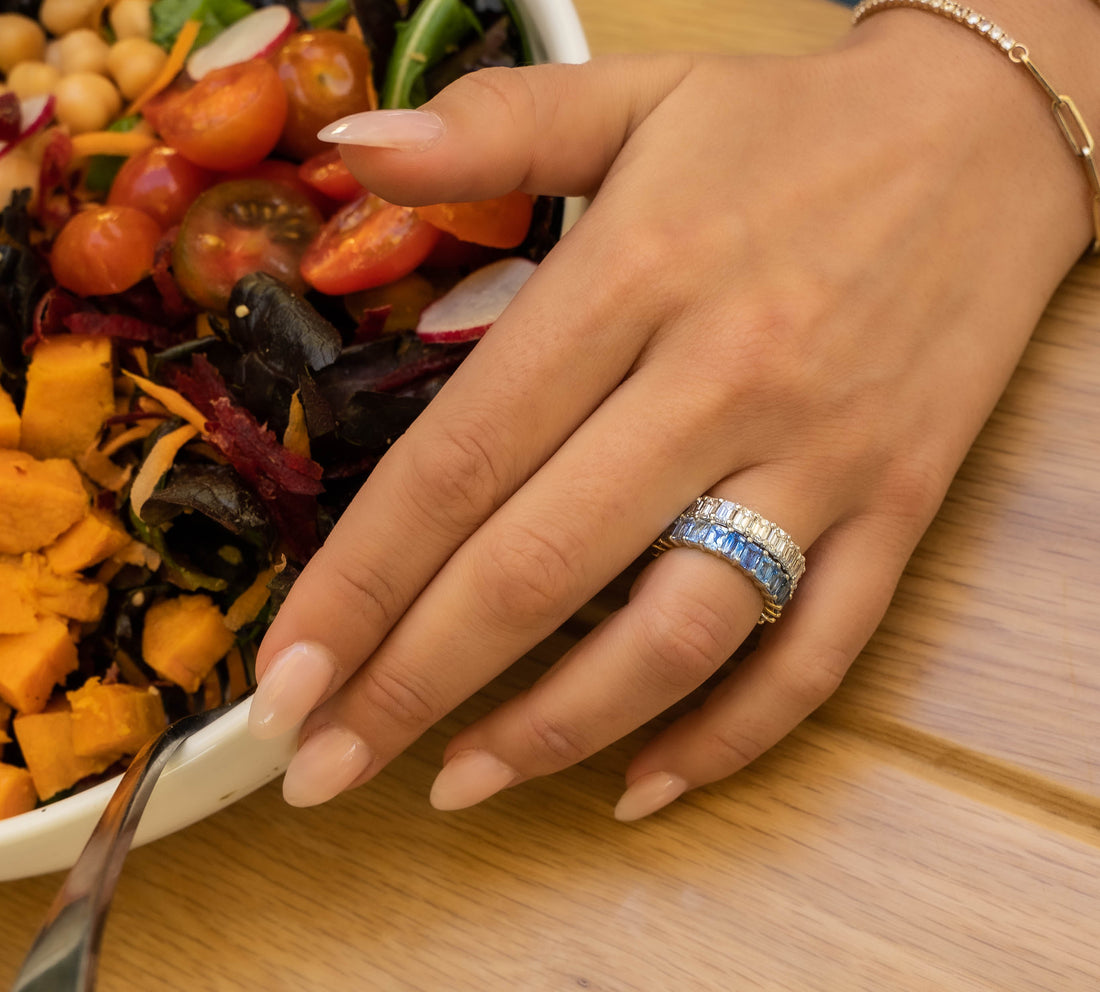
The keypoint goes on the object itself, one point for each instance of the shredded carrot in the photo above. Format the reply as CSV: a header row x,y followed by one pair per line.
x,y
135,433
296,436
172,401
246,607
122,143
176,59
156,463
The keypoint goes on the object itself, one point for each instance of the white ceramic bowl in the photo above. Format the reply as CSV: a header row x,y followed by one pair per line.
x,y
222,763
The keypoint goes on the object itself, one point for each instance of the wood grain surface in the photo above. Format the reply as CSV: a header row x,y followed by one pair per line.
x,y
936,826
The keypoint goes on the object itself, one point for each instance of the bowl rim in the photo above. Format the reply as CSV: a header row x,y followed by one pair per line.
x,y
49,838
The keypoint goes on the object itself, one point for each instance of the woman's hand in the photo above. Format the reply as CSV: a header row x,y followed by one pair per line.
x,y
796,287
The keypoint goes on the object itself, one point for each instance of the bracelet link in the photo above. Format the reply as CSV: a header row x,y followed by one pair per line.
x,y
1070,121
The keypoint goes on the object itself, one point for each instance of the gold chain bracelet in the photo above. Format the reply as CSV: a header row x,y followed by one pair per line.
x,y
1065,111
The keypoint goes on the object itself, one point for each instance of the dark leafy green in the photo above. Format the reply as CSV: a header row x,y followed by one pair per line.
x,y
437,28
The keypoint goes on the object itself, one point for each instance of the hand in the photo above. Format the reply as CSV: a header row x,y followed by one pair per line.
x,y
795,287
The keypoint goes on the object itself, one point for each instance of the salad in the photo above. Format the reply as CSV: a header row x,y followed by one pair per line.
x,y
209,335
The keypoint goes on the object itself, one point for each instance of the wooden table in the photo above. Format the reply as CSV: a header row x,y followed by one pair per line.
x,y
936,826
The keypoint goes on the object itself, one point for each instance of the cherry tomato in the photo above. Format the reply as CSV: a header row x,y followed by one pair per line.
x,y
366,243
328,173
160,181
498,223
326,75
104,250
238,227
279,170
230,119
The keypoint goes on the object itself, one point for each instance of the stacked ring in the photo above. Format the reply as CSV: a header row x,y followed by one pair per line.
x,y
762,550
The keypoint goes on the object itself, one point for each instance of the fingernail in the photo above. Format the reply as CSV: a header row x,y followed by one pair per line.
x,y
325,765
468,778
404,130
293,684
648,794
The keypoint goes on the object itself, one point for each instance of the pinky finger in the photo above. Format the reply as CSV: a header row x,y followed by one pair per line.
x,y
799,663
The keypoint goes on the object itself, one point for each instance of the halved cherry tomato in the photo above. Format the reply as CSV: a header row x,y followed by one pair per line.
x,y
328,173
498,223
327,75
160,181
279,170
104,250
239,227
230,119
367,243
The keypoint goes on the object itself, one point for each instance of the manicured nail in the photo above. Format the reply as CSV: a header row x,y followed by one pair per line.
x,y
403,130
648,794
468,778
325,765
294,683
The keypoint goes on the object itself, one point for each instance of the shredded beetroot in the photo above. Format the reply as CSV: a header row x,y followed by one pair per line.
x,y
119,326
285,481
56,200
11,116
422,368
52,310
174,302
371,324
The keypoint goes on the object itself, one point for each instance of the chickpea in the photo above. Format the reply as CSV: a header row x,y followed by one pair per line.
x,y
131,19
17,171
59,17
86,101
21,40
32,79
134,64
82,50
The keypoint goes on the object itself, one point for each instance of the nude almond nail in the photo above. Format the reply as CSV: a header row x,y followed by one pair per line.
x,y
470,777
294,683
648,794
402,130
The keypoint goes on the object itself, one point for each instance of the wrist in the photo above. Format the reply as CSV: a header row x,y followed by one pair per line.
x,y
961,78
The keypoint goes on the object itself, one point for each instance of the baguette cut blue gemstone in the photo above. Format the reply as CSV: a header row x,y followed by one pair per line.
x,y
732,545
750,557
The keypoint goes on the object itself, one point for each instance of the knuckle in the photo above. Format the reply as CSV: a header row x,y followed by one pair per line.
x,y
455,477
365,589
809,680
730,749
399,694
564,742
684,643
526,573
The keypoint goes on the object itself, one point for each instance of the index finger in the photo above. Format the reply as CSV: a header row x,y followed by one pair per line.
x,y
514,400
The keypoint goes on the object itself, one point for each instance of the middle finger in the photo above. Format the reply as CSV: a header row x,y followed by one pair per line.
x,y
563,536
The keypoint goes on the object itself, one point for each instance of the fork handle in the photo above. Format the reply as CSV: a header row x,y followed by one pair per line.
x,y
65,954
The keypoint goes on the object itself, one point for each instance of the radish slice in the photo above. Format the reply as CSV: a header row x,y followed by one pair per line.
x,y
469,309
35,113
253,36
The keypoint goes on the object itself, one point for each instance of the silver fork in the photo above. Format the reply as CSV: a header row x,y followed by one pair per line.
x,y
65,954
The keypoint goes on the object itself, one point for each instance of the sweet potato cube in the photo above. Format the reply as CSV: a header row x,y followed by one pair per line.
x,y
115,718
38,500
32,664
17,793
46,740
184,637
89,541
9,422
70,393
18,603
70,596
